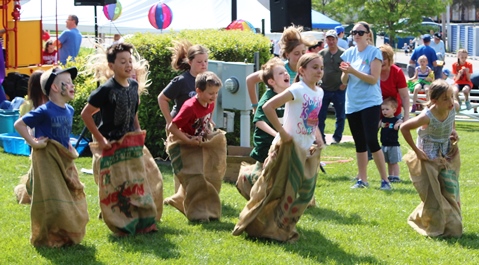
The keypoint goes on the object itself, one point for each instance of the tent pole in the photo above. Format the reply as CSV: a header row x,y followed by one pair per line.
x,y
234,10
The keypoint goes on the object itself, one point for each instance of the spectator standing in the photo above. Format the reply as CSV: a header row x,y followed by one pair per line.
x,y
69,41
334,90
361,69
341,42
426,50
438,45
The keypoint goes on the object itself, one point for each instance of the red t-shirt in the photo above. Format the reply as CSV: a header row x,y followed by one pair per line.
x,y
49,58
463,80
390,87
193,118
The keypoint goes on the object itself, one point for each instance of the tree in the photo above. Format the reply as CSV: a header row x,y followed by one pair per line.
x,y
386,15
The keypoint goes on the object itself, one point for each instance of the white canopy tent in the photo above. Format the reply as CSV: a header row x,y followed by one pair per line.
x,y
187,14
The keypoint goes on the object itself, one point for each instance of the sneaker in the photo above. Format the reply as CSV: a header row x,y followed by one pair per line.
x,y
413,108
334,142
360,184
385,185
468,105
394,179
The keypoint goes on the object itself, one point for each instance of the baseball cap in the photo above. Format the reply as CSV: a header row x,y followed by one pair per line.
x,y
426,37
331,33
446,72
47,78
438,35
339,29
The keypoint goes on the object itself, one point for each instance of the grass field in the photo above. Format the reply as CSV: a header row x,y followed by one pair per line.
x,y
366,226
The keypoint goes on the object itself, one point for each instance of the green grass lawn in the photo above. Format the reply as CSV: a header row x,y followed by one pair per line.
x,y
366,226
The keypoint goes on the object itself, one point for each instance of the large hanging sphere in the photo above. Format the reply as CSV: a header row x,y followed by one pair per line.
x,y
112,11
160,16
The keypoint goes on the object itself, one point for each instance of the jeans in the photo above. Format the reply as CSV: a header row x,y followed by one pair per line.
x,y
338,99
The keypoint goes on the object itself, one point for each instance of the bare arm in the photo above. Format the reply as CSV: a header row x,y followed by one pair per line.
x,y
164,103
368,78
251,81
344,78
136,123
22,129
404,94
412,124
173,129
269,110
87,118
266,128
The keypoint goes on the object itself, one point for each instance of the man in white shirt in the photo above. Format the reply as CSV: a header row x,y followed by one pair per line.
x,y
438,46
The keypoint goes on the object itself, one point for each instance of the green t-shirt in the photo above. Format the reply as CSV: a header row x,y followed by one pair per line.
x,y
262,140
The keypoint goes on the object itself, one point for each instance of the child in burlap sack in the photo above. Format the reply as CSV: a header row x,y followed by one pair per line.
x,y
281,194
434,165
198,154
191,60
130,183
58,205
276,78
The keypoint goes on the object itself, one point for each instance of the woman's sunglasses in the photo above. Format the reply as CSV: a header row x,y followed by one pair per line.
x,y
359,32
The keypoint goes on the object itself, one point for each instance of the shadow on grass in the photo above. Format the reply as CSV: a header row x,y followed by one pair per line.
x,y
70,255
467,240
341,218
314,246
231,212
155,243
468,127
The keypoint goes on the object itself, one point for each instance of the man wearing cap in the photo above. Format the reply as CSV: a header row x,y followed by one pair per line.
x,y
438,45
426,50
340,33
334,90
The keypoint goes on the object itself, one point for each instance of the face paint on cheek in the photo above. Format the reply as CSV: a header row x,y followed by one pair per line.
x,y
63,88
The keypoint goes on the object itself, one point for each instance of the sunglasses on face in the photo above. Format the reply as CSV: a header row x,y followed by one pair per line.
x,y
359,32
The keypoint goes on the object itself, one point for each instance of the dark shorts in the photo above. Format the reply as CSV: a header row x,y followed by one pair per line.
x,y
460,87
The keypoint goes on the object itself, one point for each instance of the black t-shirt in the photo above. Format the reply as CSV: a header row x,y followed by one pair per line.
x,y
180,89
389,136
118,106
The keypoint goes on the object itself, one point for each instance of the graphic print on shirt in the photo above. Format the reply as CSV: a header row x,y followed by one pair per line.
x,y
309,114
201,125
61,126
125,100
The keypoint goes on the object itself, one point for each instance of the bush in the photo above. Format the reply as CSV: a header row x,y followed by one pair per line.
x,y
233,46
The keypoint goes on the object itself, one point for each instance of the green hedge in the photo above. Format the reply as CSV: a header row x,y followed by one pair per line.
x,y
232,46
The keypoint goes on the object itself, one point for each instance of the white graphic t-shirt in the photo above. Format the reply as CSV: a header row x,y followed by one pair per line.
x,y
300,118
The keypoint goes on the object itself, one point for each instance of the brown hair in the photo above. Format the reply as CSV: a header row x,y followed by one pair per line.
x,y
48,43
206,79
267,69
290,39
437,88
35,93
459,62
304,61
390,101
183,52
368,28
